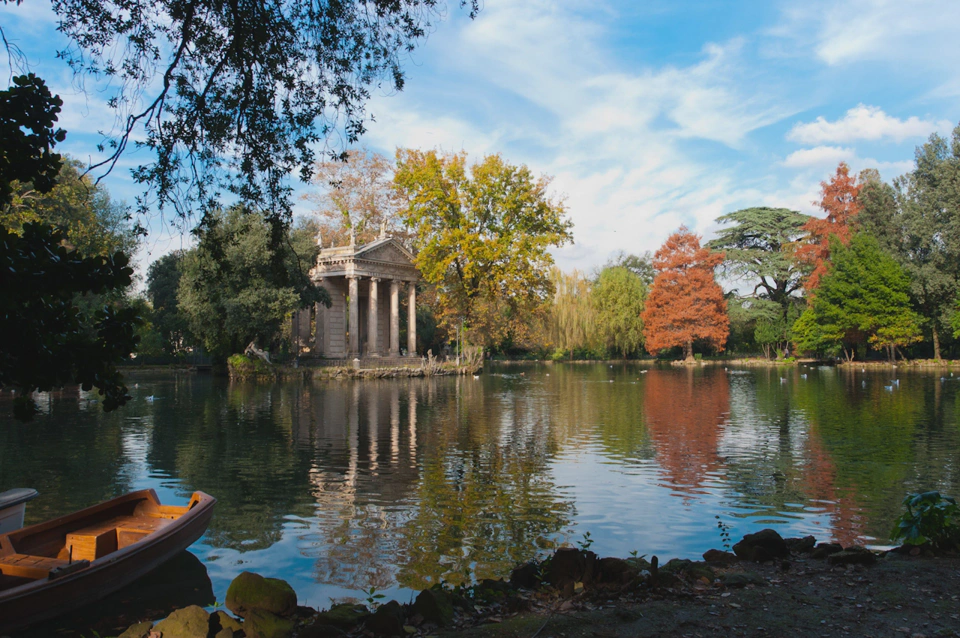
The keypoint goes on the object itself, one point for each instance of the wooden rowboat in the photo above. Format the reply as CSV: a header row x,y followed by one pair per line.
x,y
54,567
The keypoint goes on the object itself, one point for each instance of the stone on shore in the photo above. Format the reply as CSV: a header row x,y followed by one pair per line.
x,y
616,571
387,620
762,546
853,555
189,622
526,576
140,630
570,565
222,620
825,549
720,557
435,606
344,616
800,545
260,623
250,591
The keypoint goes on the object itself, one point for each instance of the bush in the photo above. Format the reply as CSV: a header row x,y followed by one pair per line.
x,y
931,518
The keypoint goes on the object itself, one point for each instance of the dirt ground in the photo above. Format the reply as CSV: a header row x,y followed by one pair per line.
x,y
898,596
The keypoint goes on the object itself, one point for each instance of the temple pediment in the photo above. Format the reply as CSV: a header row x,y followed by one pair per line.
x,y
384,258
387,250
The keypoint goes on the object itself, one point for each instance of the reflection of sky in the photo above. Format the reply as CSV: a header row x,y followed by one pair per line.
x,y
340,477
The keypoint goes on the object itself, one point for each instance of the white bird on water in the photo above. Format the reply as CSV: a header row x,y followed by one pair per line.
x,y
783,379
150,399
803,376
888,388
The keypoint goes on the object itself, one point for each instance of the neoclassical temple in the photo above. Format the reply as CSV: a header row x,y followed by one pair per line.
x,y
365,283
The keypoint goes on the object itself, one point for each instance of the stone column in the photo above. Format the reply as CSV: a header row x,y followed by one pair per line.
x,y
319,328
353,290
412,319
394,318
373,349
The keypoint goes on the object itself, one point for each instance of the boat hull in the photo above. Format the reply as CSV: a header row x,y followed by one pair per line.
x,y
44,599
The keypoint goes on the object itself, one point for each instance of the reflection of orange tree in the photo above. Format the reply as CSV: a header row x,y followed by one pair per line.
x,y
685,410
486,500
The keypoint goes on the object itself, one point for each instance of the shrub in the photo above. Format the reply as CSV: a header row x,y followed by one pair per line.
x,y
931,518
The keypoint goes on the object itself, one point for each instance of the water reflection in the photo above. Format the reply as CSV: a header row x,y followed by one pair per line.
x,y
396,483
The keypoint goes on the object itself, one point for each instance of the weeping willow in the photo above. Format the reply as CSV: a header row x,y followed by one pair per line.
x,y
572,319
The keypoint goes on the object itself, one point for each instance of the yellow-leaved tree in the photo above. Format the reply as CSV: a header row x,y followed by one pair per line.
x,y
481,234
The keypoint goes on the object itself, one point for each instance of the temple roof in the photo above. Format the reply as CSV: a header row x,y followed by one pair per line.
x,y
385,257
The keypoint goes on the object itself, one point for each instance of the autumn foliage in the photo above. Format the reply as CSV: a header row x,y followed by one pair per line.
x,y
840,200
686,303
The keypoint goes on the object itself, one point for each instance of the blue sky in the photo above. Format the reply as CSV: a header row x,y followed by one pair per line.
x,y
648,115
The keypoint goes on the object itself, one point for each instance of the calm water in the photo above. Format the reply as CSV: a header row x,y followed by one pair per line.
x,y
394,484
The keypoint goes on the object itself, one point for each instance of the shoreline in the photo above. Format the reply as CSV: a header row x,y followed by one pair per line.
x,y
769,586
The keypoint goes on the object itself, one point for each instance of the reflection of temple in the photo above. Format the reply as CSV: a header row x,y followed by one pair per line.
x,y
363,475
364,283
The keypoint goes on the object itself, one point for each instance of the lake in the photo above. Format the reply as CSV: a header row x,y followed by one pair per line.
x,y
339,487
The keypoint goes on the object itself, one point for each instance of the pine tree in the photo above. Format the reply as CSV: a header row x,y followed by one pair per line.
x,y
686,303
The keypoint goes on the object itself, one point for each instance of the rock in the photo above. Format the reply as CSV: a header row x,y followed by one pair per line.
x,y
344,616
853,555
140,630
189,622
762,546
224,633
526,576
435,606
801,545
260,623
571,565
825,549
616,571
222,620
721,557
742,580
250,591
675,566
387,620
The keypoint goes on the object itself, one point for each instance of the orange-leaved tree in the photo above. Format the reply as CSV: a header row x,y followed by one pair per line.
x,y
686,304
840,200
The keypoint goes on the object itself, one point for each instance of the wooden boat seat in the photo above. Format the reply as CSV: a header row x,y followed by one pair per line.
x,y
96,541
26,566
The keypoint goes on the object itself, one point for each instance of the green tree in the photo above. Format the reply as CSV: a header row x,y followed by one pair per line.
x,y
237,96
862,299
93,223
234,291
758,243
572,317
640,265
618,297
482,236
47,338
28,133
928,215
163,284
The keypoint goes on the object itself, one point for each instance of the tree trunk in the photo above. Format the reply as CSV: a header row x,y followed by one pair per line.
x,y
688,351
936,341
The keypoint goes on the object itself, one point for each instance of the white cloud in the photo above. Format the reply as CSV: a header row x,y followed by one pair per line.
x,y
863,123
819,156
911,35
